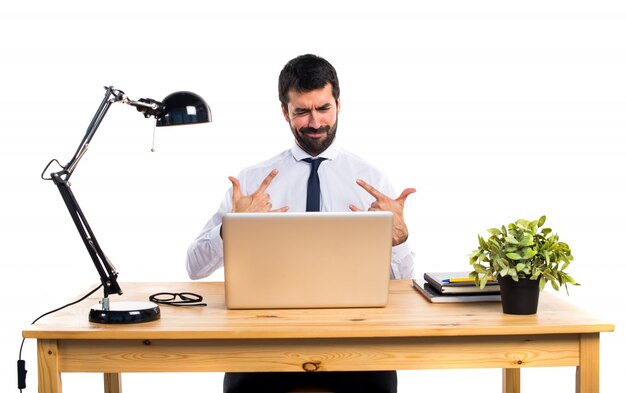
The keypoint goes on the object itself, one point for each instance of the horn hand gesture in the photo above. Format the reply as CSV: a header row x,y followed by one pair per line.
x,y
258,201
382,202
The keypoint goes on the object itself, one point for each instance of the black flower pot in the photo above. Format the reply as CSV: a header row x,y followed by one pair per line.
x,y
519,297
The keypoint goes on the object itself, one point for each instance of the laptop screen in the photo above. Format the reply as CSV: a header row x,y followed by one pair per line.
x,y
307,260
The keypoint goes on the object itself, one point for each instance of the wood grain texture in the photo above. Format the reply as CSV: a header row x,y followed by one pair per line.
x,y
407,315
588,372
319,354
511,380
48,366
112,383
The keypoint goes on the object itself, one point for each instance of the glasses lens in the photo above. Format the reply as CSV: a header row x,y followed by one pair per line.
x,y
165,296
190,297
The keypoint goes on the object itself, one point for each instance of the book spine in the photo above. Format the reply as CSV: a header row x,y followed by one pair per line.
x,y
434,283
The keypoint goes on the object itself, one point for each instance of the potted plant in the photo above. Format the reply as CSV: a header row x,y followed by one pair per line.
x,y
522,256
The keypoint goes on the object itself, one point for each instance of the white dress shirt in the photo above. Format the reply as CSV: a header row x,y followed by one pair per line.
x,y
338,175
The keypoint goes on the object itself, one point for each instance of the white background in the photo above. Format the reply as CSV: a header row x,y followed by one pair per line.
x,y
493,110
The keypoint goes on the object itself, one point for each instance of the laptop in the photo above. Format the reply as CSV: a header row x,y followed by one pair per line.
x,y
306,260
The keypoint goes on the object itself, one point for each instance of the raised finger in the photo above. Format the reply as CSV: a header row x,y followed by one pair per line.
x,y
371,190
236,187
266,182
281,210
354,208
405,194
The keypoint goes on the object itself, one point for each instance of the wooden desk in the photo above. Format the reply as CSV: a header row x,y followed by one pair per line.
x,y
409,333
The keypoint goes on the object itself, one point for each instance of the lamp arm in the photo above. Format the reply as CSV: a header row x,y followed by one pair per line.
x,y
111,96
106,270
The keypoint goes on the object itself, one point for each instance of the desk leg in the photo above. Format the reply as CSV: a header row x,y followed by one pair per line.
x,y
588,373
511,380
48,366
112,383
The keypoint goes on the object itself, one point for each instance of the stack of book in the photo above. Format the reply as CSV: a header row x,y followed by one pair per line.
x,y
454,287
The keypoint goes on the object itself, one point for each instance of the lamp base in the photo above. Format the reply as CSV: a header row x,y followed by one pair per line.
x,y
125,312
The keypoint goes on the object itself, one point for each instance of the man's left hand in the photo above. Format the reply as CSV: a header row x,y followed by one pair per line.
x,y
382,202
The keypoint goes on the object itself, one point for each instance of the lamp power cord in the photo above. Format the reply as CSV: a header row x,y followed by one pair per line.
x,y
21,364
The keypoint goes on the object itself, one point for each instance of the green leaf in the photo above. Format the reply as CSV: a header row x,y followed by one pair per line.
x,y
554,285
482,242
569,279
510,248
494,240
483,281
480,269
494,231
511,239
494,247
548,275
542,221
514,256
526,240
528,253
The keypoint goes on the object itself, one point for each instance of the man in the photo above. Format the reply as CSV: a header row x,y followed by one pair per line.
x,y
308,90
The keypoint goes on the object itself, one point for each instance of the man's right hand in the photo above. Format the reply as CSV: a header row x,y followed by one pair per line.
x,y
258,201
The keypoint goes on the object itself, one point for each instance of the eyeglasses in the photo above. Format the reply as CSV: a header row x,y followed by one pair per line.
x,y
170,298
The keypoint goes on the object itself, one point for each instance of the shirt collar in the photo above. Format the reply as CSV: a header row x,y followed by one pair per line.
x,y
330,153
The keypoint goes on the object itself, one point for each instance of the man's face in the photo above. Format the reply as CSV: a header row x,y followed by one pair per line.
x,y
312,117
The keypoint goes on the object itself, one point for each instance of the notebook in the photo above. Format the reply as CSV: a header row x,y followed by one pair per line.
x,y
433,296
445,284
306,260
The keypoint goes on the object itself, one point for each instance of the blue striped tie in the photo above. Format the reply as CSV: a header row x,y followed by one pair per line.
x,y
313,186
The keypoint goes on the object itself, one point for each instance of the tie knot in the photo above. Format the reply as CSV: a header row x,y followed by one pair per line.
x,y
315,163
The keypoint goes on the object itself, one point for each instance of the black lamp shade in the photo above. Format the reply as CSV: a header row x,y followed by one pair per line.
x,y
184,107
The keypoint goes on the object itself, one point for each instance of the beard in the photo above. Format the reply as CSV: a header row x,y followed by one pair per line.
x,y
315,146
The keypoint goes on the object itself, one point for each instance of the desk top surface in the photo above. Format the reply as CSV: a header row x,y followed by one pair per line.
x,y
408,314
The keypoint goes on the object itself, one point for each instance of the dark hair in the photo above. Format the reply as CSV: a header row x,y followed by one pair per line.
x,y
306,73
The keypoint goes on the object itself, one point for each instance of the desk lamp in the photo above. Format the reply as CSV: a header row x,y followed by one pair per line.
x,y
176,109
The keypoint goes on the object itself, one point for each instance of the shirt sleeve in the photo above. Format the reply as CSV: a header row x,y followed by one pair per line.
x,y
402,262
206,253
